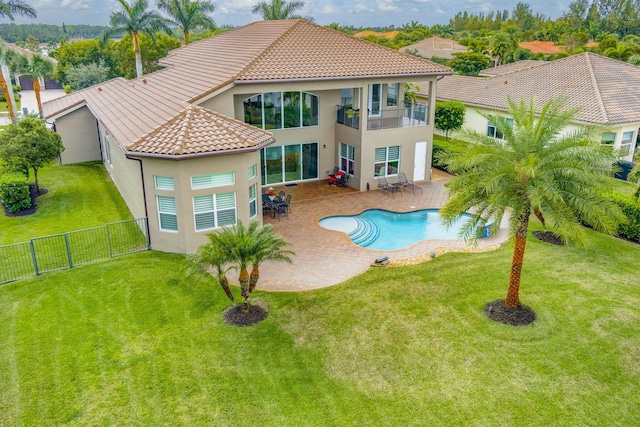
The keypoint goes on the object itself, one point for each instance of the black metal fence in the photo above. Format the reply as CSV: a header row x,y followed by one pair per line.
x,y
68,250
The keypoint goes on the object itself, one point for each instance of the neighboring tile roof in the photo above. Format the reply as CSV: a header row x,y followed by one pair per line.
x,y
510,68
436,46
197,130
606,90
288,50
388,35
538,46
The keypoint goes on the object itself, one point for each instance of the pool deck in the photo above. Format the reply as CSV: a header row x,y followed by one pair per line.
x,y
324,257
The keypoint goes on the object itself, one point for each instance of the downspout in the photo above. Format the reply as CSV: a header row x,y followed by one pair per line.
x,y
100,143
144,198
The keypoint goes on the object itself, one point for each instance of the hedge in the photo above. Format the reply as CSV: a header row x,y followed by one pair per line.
x,y
440,146
15,194
631,209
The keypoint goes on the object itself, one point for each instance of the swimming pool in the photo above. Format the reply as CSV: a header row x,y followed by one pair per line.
x,y
385,230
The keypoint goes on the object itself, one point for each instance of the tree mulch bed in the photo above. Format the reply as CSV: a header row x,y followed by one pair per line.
x,y
549,237
519,316
235,316
34,206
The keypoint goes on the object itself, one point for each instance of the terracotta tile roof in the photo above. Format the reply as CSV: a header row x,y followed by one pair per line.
x,y
265,50
538,46
436,46
197,130
388,35
510,68
606,90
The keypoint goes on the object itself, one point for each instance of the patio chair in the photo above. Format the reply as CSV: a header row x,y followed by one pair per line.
x,y
342,182
287,200
384,185
331,173
281,195
402,180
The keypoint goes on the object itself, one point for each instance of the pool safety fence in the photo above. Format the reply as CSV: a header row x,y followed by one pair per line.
x,y
67,250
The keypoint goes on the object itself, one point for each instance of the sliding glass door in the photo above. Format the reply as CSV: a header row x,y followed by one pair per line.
x,y
289,163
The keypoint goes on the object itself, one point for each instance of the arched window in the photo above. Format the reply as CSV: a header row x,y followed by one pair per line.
x,y
282,110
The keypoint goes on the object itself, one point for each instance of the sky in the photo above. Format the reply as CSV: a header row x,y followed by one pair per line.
x,y
359,13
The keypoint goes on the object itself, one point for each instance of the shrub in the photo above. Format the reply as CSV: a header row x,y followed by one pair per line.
x,y
441,147
631,209
15,194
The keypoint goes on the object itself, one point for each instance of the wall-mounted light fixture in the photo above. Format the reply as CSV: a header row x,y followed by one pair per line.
x,y
324,146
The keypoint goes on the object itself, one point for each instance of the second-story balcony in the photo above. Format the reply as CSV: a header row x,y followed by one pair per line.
x,y
410,115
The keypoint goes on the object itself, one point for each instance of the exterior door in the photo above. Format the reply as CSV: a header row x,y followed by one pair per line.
x,y
375,95
420,161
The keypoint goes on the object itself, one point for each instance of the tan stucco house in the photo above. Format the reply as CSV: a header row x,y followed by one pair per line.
x,y
606,90
274,102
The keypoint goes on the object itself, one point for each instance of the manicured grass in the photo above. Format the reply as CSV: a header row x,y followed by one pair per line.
x,y
80,196
132,342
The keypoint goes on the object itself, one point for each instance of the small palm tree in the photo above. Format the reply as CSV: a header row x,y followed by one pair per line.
x,y
38,67
266,247
211,257
279,9
188,15
135,19
537,167
9,8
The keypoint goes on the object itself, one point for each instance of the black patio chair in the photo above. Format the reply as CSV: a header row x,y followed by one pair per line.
x,y
384,185
342,182
287,200
402,180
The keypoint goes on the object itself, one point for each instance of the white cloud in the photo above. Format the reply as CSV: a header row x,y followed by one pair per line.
x,y
76,4
387,5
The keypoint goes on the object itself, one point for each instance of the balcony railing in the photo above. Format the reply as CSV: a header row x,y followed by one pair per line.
x,y
411,115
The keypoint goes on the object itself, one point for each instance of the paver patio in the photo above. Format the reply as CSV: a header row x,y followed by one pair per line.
x,y
324,257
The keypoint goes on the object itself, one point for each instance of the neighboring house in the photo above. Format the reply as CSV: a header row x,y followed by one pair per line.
x,y
435,46
546,48
25,81
607,91
385,35
510,68
274,102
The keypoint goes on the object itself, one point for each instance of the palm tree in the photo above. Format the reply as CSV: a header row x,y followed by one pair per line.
x,y
266,247
135,19
10,60
500,44
279,9
9,8
187,14
536,167
38,67
211,257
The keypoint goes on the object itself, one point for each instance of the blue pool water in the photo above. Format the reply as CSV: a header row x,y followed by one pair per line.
x,y
384,230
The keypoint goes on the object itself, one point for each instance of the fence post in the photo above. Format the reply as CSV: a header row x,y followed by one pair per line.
x,y
33,257
66,242
145,220
109,241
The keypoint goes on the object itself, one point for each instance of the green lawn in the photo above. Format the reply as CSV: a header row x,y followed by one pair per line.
x,y
130,341
80,196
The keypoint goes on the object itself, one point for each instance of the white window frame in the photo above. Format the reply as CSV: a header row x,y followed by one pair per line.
x,y
396,93
212,180
253,201
162,212
378,112
349,158
387,160
215,210
252,171
492,131
163,182
281,108
626,143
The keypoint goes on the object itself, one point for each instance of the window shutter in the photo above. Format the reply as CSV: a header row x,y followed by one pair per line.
x,y
167,204
203,204
381,155
164,182
394,152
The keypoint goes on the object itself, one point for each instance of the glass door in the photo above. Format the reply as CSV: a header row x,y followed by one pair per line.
x,y
375,93
310,160
292,166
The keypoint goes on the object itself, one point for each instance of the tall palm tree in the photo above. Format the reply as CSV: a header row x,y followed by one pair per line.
x,y
38,67
135,19
279,9
10,61
500,44
9,8
536,167
187,14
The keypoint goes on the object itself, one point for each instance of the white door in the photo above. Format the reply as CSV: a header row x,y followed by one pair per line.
x,y
420,162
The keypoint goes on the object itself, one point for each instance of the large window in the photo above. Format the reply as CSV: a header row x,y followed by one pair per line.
x,y
347,158
494,132
282,110
387,161
214,210
167,215
212,180
288,163
608,138
393,91
626,143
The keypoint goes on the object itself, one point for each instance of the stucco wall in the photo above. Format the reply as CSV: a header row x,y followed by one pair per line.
x,y
79,132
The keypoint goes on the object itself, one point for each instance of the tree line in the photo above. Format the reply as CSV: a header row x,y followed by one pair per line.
x,y
45,33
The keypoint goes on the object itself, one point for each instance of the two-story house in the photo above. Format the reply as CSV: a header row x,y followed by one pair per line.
x,y
274,102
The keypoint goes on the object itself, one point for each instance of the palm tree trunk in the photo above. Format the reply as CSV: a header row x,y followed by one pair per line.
x,y
244,289
138,64
538,215
513,294
186,37
225,285
253,279
7,95
137,50
36,89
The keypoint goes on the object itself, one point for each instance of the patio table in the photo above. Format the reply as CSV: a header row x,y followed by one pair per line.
x,y
275,206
